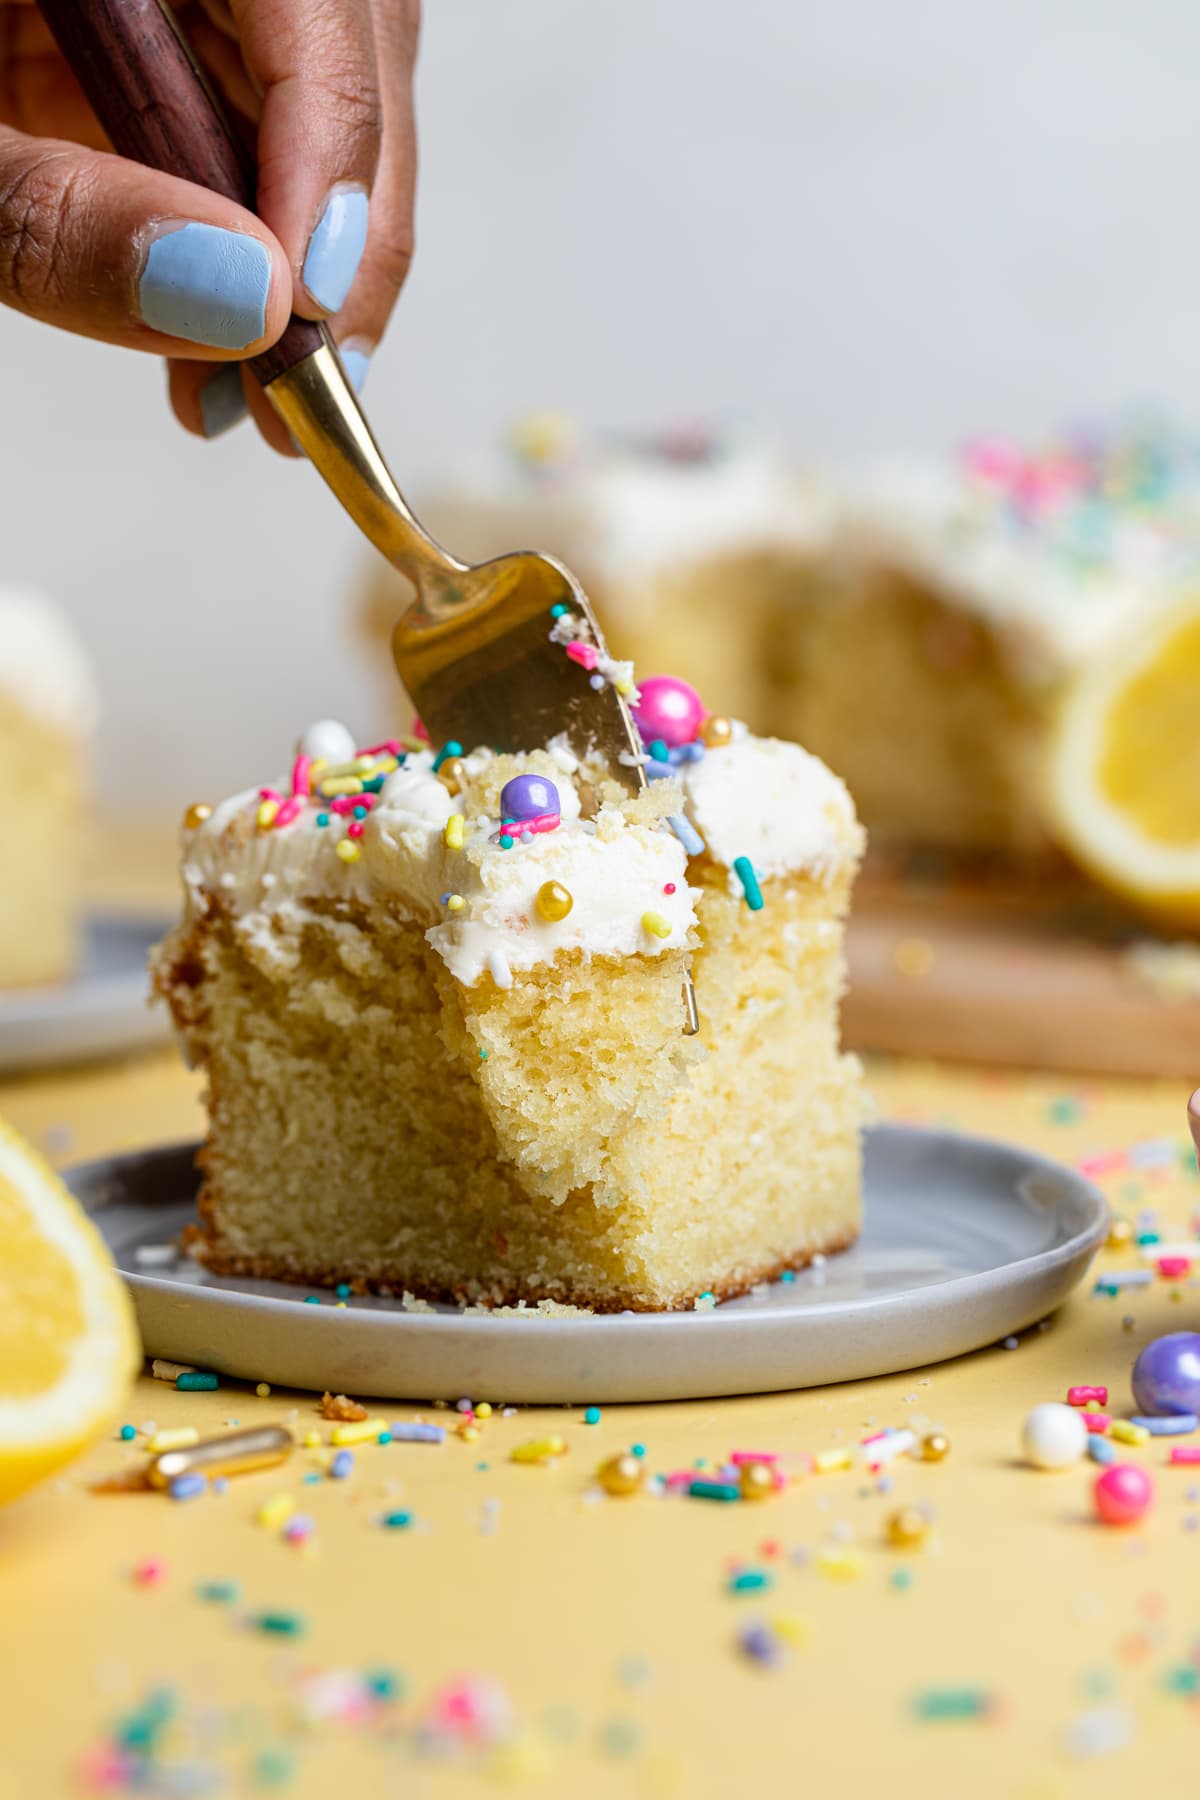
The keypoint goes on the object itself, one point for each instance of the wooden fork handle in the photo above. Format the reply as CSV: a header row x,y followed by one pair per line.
x,y
147,90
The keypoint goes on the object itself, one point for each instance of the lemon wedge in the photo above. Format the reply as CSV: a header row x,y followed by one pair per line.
x,y
68,1344
1125,767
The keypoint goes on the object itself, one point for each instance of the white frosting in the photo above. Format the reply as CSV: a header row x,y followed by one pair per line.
x,y
1057,585
42,663
773,802
624,514
759,798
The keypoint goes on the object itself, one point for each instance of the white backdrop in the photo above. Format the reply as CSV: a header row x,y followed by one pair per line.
x,y
864,226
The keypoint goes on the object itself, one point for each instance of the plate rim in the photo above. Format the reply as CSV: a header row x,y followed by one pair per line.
x,y
954,1290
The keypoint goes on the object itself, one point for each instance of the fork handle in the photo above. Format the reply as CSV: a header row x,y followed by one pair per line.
x,y
147,90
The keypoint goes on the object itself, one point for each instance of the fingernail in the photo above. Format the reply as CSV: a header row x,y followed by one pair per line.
x,y
335,248
223,401
356,363
207,285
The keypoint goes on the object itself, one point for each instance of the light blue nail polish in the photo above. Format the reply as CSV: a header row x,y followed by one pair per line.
x,y
207,285
223,401
335,248
356,363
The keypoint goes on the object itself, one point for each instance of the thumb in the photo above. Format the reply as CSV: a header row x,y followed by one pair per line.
x,y
112,250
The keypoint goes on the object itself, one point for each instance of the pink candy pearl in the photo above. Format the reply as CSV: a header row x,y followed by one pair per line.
x,y
1122,1494
669,709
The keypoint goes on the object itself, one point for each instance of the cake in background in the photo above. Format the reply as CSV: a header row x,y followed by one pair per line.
x,y
47,716
439,1001
689,543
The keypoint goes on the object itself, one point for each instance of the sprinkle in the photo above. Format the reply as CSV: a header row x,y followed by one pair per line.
x,y
1185,1454
1099,1448
359,1431
739,1458
218,1593
155,1256
1172,1267
348,852
583,654
1096,1421
182,1437
450,748
276,1511
1087,1396
1168,1424
830,1462
455,902
355,830
396,1521
656,925
953,1703
454,831
187,1487
894,1443
322,819
302,776
714,1490
838,1564
560,610
289,811
505,841
744,870
498,969
750,1581
263,1390
1123,1278
197,1381
1126,1432
592,1416
538,1450
341,1465
300,1528
280,1624
760,1644
687,834
342,784
405,1433
149,1571
127,1433
657,751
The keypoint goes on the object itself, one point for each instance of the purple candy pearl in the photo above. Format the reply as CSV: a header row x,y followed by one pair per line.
x,y
527,797
1166,1376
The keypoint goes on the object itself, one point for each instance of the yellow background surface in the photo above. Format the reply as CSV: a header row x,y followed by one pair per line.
x,y
608,1623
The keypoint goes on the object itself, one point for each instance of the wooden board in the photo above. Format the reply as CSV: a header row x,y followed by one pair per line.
x,y
1033,970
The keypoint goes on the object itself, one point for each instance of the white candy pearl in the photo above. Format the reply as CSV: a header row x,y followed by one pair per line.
x,y
328,739
1054,1436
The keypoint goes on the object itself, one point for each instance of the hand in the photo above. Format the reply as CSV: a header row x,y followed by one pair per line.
x,y
93,243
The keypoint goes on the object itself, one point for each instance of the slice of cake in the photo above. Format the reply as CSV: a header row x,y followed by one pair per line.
x,y
47,715
439,1002
689,542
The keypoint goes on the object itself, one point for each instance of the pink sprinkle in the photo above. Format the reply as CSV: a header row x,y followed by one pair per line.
x,y
150,1571
992,460
1085,1396
583,654
269,794
875,1437
301,772
738,1457
1185,1453
354,829
1171,1267
669,888
1107,1162
346,803
681,1478
419,731
291,809
539,822
1099,1422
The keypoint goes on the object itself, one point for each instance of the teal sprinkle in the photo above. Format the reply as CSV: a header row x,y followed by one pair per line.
x,y
482,1468
450,748
637,1449
560,611
312,1299
506,842
749,1581
396,1521
385,1437
128,1433
196,1381
281,1624
901,1580
274,1767
788,1275
1149,1237
952,1703
592,1416
311,1479
385,1684
1109,1288
359,812
218,1593
483,1055
1184,1680
322,818
657,750
714,1490
342,1290
743,868
372,786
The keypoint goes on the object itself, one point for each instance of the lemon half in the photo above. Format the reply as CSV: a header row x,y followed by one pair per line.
x,y
68,1344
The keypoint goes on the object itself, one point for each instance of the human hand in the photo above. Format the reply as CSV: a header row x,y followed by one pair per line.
x,y
93,243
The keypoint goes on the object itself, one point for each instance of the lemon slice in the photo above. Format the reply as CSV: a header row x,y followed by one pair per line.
x,y
68,1345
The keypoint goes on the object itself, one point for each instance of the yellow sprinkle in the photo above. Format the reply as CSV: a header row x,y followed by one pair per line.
x,y
828,1462
454,831
539,1450
468,1433
455,903
791,1629
656,925
1126,1432
182,1438
483,1410
265,816
624,687
348,851
276,1511
311,1440
263,1389
839,1565
345,784
360,1432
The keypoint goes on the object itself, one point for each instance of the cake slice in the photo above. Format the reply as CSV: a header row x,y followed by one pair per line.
x,y
47,714
438,1001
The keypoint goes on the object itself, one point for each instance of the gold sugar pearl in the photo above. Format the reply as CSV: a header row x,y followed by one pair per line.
x,y
196,815
620,1474
1120,1235
907,1528
716,732
553,901
452,775
757,1480
935,1446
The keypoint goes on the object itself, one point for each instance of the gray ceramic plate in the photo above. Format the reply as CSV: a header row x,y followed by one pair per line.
x,y
104,1011
965,1242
